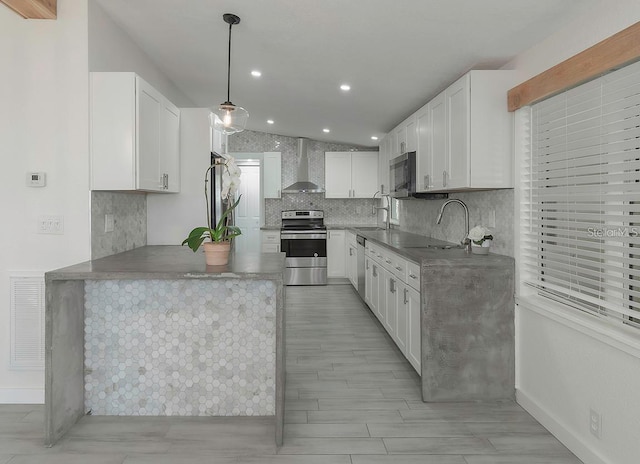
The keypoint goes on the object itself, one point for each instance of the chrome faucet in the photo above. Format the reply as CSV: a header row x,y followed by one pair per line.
x,y
374,209
465,241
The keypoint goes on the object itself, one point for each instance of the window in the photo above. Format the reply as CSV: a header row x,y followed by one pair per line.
x,y
580,198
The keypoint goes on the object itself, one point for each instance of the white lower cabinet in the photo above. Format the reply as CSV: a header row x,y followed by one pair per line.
x,y
414,329
270,241
336,259
391,284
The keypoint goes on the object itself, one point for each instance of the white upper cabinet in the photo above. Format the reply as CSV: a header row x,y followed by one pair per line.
x,y
471,134
383,164
272,174
463,137
351,174
135,135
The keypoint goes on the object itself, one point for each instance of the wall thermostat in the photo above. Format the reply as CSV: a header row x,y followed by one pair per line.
x,y
36,179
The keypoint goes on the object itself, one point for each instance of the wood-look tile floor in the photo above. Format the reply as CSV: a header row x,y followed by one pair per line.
x,y
351,398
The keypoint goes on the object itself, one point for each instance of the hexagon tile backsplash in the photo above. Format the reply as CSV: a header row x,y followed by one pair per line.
x,y
181,348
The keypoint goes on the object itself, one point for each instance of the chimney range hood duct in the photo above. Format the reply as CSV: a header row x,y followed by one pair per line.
x,y
303,185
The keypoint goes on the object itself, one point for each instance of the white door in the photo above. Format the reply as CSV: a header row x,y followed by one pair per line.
x,y
247,214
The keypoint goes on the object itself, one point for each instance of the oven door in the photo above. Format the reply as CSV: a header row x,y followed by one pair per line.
x,y
306,257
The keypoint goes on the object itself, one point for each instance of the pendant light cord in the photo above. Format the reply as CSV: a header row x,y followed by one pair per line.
x,y
229,66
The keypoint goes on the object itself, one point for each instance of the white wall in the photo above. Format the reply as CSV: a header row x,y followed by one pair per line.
x,y
112,49
43,127
170,217
562,372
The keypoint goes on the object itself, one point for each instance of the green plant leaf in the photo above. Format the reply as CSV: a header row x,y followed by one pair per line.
x,y
196,237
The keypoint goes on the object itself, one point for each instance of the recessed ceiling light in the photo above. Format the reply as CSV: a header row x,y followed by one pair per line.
x,y
326,131
269,121
345,87
374,137
256,73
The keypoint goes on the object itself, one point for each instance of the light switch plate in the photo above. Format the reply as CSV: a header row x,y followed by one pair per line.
x,y
53,225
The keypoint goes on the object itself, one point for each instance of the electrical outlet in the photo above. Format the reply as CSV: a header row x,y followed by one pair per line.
x,y
109,223
595,423
51,225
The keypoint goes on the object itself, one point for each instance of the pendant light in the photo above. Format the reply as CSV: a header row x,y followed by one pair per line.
x,y
229,118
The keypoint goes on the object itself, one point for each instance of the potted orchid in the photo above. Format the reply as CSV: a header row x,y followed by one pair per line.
x,y
481,239
216,241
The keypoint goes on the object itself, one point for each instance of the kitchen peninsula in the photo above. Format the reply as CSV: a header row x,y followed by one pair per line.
x,y
154,331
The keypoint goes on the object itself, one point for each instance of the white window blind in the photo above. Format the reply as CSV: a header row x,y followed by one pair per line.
x,y
580,191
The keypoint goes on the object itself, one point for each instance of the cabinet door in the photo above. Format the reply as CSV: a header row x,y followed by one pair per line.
x,y
337,172
402,325
391,321
272,174
368,283
383,286
414,330
411,134
170,146
270,247
336,260
458,116
424,165
437,144
352,265
149,113
401,138
364,174
383,165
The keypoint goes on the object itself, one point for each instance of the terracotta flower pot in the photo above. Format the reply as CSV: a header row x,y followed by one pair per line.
x,y
216,253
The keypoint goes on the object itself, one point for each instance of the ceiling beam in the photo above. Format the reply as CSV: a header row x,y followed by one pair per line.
x,y
616,51
33,9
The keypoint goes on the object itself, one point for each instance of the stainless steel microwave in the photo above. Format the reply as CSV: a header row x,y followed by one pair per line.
x,y
403,175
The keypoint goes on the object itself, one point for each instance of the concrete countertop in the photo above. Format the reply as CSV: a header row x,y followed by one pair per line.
x,y
419,249
270,228
173,262
351,227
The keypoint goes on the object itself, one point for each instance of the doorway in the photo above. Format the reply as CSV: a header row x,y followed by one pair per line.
x,y
247,213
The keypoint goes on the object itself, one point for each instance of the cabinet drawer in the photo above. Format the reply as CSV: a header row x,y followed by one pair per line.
x,y
399,267
270,247
413,275
271,236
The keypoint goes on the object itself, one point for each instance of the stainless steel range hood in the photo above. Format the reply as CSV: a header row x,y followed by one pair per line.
x,y
303,185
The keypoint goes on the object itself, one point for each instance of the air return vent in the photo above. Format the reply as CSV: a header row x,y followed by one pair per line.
x,y
27,321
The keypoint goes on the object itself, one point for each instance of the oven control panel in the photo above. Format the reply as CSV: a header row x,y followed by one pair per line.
x,y
302,214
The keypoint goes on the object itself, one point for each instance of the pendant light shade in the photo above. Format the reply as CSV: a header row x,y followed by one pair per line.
x,y
229,118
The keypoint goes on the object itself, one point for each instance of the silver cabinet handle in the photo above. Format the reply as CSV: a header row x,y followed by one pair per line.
x,y
412,276
279,194
405,296
167,181
350,251
444,178
162,181
375,271
388,261
402,147
427,181
398,268
367,265
392,285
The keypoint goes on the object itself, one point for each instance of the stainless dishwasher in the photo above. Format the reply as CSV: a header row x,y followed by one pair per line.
x,y
361,269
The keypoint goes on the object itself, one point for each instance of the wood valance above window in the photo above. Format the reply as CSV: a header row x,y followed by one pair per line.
x,y
34,9
618,50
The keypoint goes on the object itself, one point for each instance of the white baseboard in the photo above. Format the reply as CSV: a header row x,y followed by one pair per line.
x,y
584,451
21,395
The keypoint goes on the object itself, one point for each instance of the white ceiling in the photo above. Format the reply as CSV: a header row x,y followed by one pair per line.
x,y
396,55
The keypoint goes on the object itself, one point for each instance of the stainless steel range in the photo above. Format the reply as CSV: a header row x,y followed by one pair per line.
x,y
303,238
